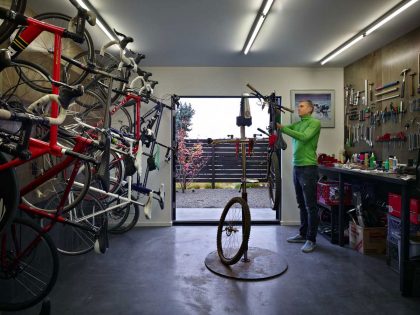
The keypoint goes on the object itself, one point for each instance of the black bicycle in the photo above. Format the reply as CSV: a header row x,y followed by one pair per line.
x,y
276,143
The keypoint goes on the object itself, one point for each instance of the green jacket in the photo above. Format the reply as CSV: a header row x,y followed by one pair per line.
x,y
305,134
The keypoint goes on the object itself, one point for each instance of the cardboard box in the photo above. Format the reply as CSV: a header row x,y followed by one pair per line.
x,y
368,241
394,207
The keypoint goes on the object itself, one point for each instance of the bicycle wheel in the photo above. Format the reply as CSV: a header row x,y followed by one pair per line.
x,y
40,48
9,194
15,79
120,120
7,27
233,231
116,179
123,219
79,170
98,83
71,240
274,180
29,265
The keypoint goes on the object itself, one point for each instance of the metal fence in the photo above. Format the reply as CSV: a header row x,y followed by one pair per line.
x,y
224,163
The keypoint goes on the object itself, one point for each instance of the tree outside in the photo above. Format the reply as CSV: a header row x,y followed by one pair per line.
x,y
190,160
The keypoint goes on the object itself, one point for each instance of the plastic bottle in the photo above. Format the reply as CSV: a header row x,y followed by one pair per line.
x,y
390,161
386,165
394,163
372,161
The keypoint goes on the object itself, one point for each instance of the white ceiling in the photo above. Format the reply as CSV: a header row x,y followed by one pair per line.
x,y
212,32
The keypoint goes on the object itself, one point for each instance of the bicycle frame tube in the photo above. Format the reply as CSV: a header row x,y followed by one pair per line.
x,y
30,33
53,217
81,145
37,148
137,107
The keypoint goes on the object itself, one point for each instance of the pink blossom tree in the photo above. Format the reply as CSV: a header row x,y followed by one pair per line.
x,y
190,160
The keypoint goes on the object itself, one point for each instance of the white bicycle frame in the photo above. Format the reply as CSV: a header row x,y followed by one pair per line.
x,y
126,200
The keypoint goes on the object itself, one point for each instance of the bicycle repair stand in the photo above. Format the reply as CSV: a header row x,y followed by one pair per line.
x,y
256,263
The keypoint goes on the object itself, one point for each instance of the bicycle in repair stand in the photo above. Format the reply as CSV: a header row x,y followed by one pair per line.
x,y
235,222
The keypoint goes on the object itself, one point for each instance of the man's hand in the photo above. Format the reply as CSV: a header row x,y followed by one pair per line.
x,y
279,126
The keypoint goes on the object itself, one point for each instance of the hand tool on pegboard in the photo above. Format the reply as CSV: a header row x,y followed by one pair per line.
x,y
412,88
403,74
387,91
347,90
387,85
389,97
418,71
366,98
371,91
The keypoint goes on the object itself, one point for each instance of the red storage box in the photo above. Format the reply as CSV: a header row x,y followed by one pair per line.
x,y
327,193
394,207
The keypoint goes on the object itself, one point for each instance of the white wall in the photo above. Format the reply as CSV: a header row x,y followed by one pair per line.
x,y
231,81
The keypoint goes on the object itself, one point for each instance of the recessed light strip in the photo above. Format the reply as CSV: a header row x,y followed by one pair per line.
x,y
256,26
390,17
351,43
402,6
99,20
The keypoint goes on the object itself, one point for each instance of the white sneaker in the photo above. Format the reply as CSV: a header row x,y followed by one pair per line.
x,y
308,247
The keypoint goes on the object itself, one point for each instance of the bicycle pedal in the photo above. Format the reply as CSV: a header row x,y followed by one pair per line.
x,y
148,207
139,188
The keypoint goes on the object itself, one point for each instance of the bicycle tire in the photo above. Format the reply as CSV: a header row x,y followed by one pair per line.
x,y
29,280
55,186
116,180
233,231
71,240
94,116
274,179
9,194
123,219
44,43
15,79
8,27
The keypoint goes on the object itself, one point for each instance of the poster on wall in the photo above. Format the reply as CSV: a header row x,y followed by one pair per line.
x,y
324,105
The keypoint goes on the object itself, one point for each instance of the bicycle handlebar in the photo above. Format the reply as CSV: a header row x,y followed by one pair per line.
x,y
10,15
92,68
125,61
263,131
266,98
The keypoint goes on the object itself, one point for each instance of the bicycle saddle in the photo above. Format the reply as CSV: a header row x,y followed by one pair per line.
x,y
5,59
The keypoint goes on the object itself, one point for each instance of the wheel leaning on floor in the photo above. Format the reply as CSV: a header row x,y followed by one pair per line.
x,y
233,231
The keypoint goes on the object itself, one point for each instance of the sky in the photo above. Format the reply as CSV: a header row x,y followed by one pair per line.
x,y
216,117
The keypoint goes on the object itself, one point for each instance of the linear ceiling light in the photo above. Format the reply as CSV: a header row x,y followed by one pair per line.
x,y
402,6
256,26
99,20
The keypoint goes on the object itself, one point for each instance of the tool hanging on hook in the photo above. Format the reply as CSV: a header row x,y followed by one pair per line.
x,y
403,74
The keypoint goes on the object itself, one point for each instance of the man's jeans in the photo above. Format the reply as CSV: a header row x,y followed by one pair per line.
x,y
305,179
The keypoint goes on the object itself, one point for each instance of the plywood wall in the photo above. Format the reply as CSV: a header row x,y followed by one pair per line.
x,y
381,67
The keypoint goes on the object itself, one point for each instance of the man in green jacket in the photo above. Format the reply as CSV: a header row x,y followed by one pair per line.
x,y
305,134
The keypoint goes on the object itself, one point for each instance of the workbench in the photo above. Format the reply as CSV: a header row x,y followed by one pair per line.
x,y
390,182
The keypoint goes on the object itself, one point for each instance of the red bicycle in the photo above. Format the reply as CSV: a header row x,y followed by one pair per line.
x,y
28,259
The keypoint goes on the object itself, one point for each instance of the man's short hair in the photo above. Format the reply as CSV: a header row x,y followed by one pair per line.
x,y
309,102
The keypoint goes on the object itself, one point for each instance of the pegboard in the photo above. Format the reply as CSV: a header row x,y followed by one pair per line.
x,y
382,112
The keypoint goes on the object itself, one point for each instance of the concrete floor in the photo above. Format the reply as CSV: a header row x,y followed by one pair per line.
x,y
161,271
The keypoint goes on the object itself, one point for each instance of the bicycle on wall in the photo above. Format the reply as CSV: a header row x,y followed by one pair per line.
x,y
234,225
29,264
